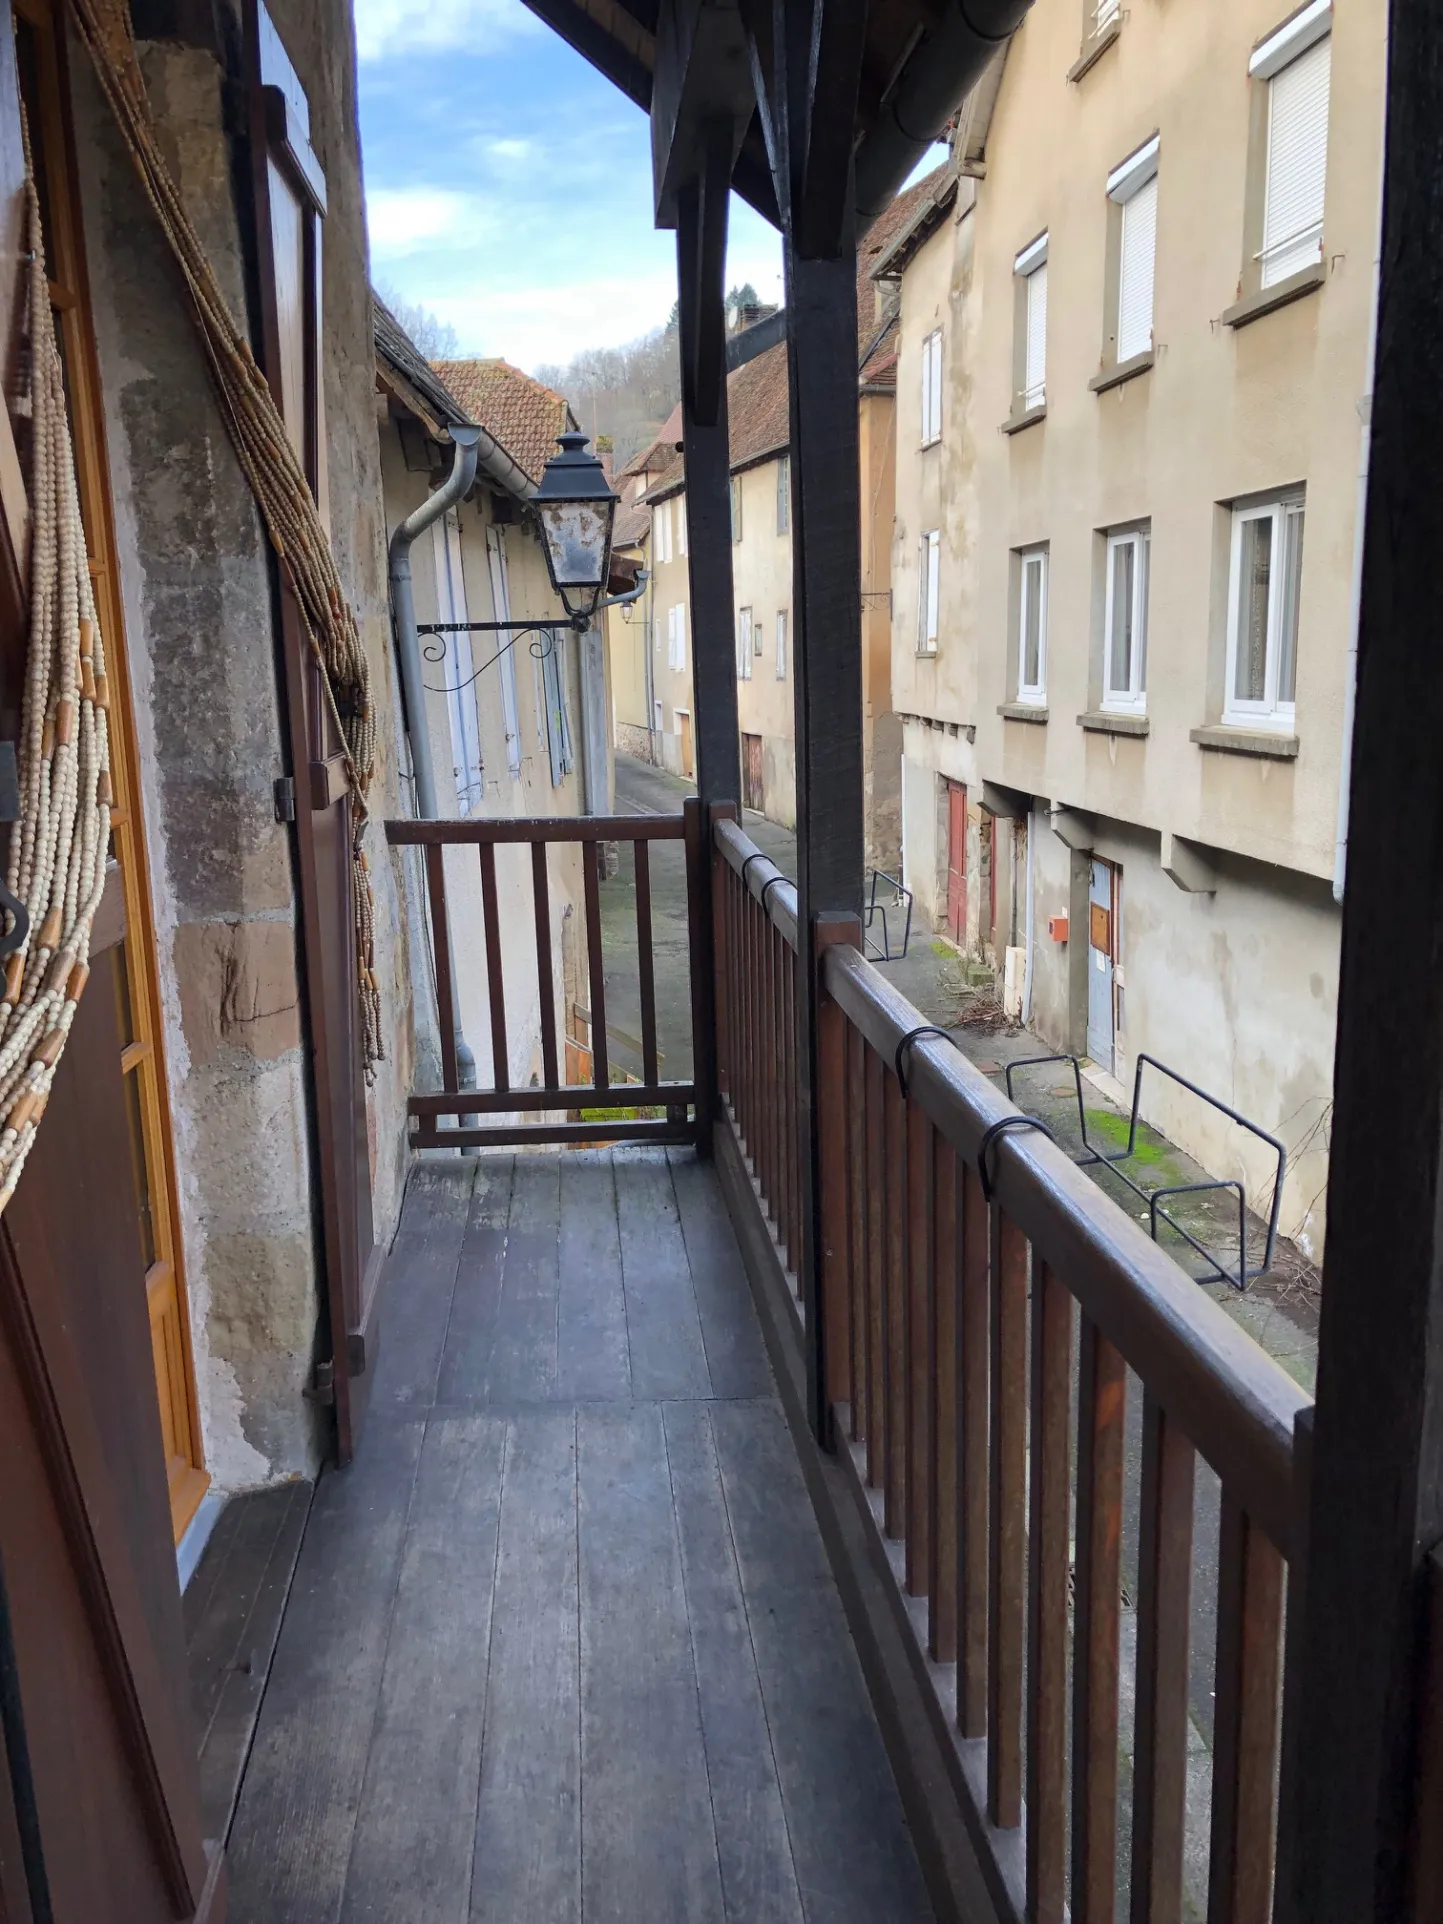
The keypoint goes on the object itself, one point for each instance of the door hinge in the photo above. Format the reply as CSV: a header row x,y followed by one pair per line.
x,y
285,793
323,1384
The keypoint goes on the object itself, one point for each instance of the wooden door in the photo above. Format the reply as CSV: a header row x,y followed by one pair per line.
x,y
1101,955
290,203
753,781
957,863
40,57
688,747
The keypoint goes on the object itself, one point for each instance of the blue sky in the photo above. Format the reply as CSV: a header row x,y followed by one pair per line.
x,y
508,186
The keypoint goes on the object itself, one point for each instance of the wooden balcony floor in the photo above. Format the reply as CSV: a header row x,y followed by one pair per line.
x,y
563,1643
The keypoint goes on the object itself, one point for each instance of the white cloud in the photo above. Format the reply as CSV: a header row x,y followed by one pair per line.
x,y
405,220
395,27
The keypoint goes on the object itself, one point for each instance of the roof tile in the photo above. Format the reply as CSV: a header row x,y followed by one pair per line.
x,y
524,416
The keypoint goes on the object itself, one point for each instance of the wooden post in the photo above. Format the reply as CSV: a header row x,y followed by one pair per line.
x,y
1377,1475
701,281
821,281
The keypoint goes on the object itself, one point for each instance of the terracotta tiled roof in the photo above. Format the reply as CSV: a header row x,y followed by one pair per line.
x,y
633,523
657,453
757,418
524,416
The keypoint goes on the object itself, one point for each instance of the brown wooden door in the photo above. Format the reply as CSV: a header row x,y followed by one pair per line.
x,y
41,64
753,781
290,200
957,863
688,748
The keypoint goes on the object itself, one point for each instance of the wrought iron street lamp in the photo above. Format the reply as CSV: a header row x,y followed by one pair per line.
x,y
576,509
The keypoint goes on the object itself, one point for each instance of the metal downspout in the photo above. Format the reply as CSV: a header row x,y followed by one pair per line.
x,y
408,647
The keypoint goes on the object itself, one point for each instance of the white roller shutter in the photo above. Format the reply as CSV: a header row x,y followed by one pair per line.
x,y
1135,279
1297,164
1035,375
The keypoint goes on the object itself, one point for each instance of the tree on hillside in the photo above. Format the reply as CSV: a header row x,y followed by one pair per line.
x,y
624,392
436,339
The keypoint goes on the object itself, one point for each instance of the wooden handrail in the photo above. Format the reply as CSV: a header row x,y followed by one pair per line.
x,y
758,869
1236,1404
540,828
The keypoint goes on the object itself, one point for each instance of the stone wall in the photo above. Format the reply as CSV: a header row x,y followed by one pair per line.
x,y
198,587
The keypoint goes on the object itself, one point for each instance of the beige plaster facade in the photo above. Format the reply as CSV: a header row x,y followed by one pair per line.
x,y
1224,961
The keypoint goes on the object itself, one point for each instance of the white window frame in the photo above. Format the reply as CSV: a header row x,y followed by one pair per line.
x,y
1131,700
736,508
929,582
681,526
784,495
932,388
1029,264
1294,40
1032,694
781,644
458,665
661,531
676,637
1271,713
744,644
1104,12
1125,183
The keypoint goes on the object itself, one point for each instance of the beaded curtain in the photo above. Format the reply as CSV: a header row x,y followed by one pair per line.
x,y
272,470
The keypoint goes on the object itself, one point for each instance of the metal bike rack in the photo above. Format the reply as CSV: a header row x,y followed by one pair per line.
x,y
1092,1153
883,951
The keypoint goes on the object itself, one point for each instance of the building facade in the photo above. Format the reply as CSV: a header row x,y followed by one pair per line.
x,y
1123,671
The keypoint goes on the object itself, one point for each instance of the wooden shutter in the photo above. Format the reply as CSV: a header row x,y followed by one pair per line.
x,y
1135,276
1297,164
501,611
1035,374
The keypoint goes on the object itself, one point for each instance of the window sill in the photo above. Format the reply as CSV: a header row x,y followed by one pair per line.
x,y
1017,422
1279,295
1022,711
1099,721
1096,47
1121,371
935,442
1246,741
927,654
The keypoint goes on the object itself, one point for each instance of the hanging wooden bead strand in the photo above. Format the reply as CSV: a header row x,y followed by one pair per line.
x,y
58,849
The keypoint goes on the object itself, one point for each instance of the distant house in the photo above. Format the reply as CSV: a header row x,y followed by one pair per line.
x,y
645,687
505,714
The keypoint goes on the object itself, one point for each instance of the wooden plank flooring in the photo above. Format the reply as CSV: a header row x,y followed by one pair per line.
x,y
563,1643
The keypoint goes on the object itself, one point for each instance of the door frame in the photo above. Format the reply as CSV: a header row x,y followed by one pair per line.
x,y
959,933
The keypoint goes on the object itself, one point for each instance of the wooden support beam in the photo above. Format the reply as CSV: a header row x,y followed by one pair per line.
x,y
1377,1475
702,77
826,611
834,72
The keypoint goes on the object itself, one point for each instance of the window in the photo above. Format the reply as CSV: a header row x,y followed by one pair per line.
x,y
929,562
661,531
676,637
1124,624
457,665
1103,13
501,609
1264,582
1132,188
1031,270
781,644
736,507
680,511
744,644
1296,64
784,495
1032,628
932,388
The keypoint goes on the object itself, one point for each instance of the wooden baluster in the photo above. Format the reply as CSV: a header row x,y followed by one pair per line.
x,y
650,1072
858,1196
1245,1721
765,1128
942,1407
774,1072
441,951
1007,1522
546,985
793,1147
495,975
1097,1588
1049,1508
974,1481
1163,1601
894,1486
746,976
920,1347
600,1065
876,1270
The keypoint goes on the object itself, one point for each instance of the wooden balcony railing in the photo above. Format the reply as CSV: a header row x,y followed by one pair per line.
x,y
988,1312
548,1094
